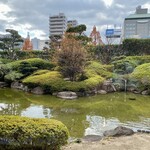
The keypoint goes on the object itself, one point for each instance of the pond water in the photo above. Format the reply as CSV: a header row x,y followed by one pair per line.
x,y
84,116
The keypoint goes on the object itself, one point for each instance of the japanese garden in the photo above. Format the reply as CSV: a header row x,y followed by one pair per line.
x,y
71,90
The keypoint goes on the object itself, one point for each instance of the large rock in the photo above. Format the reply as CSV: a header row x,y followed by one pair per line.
x,y
108,86
119,131
17,85
101,92
67,95
38,90
146,92
3,84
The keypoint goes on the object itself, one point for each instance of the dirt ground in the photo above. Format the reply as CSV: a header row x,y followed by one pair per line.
x,y
137,141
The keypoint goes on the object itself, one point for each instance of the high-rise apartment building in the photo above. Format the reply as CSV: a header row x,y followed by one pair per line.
x,y
57,24
137,25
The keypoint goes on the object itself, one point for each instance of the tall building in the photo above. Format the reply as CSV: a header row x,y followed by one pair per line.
x,y
137,25
27,45
72,23
57,24
96,37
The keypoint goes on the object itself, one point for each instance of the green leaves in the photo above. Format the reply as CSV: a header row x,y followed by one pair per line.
x,y
136,47
22,132
10,42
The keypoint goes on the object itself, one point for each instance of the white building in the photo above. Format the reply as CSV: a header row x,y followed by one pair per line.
x,y
137,25
57,24
39,44
72,23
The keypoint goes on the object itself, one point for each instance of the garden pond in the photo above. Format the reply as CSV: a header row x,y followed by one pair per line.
x,y
83,116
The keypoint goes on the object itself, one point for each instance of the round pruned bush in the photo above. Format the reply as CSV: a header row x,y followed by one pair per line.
x,y
27,133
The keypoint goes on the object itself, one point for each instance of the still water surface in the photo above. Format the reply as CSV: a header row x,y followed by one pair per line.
x,y
84,116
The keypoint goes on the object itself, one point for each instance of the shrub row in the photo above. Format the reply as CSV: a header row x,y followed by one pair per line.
x,y
136,47
29,54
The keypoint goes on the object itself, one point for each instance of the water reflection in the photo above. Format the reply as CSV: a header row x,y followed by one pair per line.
x,y
10,109
85,116
98,124
35,111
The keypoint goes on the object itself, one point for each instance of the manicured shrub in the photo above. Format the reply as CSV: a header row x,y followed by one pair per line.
x,y
128,64
55,82
34,62
141,74
13,76
26,69
27,133
95,68
4,61
4,70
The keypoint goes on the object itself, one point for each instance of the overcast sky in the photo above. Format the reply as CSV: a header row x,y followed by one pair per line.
x,y
33,15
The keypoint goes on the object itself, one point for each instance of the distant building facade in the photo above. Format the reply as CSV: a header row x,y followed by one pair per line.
x,y
137,25
39,44
57,24
96,37
72,23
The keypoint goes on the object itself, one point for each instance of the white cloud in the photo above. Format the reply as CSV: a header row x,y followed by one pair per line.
x,y
120,5
101,16
24,28
19,27
38,33
146,5
4,10
108,3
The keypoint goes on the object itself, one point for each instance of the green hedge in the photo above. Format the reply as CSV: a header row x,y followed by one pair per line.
x,y
54,81
29,54
136,47
27,133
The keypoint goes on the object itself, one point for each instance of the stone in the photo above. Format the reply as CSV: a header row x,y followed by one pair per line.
x,y
67,95
3,84
26,89
17,85
131,89
119,131
146,92
54,94
37,90
136,92
108,86
91,138
101,92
